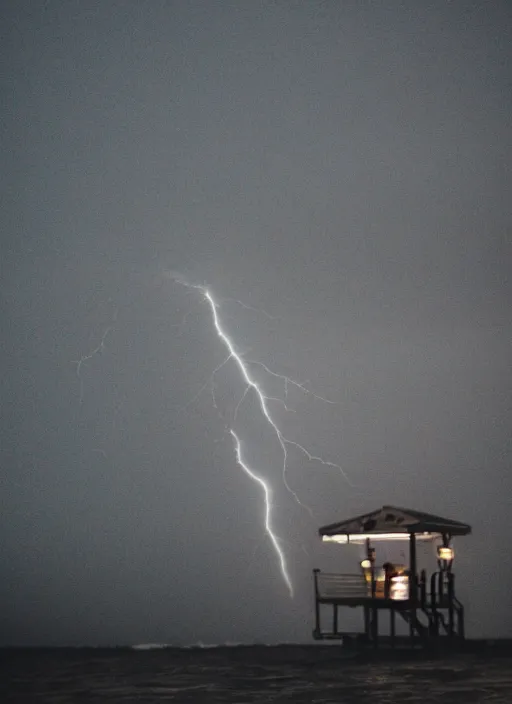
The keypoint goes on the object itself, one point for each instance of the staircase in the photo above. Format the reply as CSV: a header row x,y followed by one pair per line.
x,y
424,631
439,624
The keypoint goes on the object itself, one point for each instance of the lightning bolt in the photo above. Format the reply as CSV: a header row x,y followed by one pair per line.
x,y
268,503
256,310
86,357
95,351
251,384
263,400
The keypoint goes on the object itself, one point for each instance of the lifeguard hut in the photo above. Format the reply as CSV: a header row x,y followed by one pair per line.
x,y
426,602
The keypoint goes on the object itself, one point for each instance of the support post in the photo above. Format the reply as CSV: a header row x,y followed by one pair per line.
x,y
462,632
375,627
451,615
433,602
423,589
370,555
317,605
413,590
367,622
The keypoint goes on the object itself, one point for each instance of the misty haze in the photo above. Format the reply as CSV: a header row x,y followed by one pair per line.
x,y
235,231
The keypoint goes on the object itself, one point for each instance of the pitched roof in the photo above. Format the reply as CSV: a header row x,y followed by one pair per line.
x,y
393,519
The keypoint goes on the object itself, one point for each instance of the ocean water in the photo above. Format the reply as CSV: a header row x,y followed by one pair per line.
x,y
253,674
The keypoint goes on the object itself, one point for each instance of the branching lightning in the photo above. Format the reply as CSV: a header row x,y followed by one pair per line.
x,y
264,401
86,357
97,350
287,381
247,307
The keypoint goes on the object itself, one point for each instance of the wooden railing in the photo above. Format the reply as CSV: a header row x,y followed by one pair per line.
x,y
339,586
439,606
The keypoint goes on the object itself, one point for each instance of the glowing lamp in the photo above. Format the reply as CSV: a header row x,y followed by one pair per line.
x,y
445,553
366,564
399,588
358,538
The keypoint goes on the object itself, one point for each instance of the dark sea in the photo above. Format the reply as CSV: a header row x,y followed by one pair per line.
x,y
243,674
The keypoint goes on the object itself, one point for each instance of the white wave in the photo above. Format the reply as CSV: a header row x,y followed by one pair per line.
x,y
200,645
238,644
227,644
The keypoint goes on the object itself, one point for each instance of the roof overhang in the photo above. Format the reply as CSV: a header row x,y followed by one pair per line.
x,y
392,523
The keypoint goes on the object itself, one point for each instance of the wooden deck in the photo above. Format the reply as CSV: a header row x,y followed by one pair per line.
x,y
428,614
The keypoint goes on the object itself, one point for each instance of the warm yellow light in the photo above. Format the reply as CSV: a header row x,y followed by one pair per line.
x,y
366,564
356,538
445,553
399,588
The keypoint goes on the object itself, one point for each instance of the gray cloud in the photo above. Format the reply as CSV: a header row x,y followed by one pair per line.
x,y
343,167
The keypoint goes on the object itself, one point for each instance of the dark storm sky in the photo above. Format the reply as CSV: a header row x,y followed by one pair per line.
x,y
344,166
